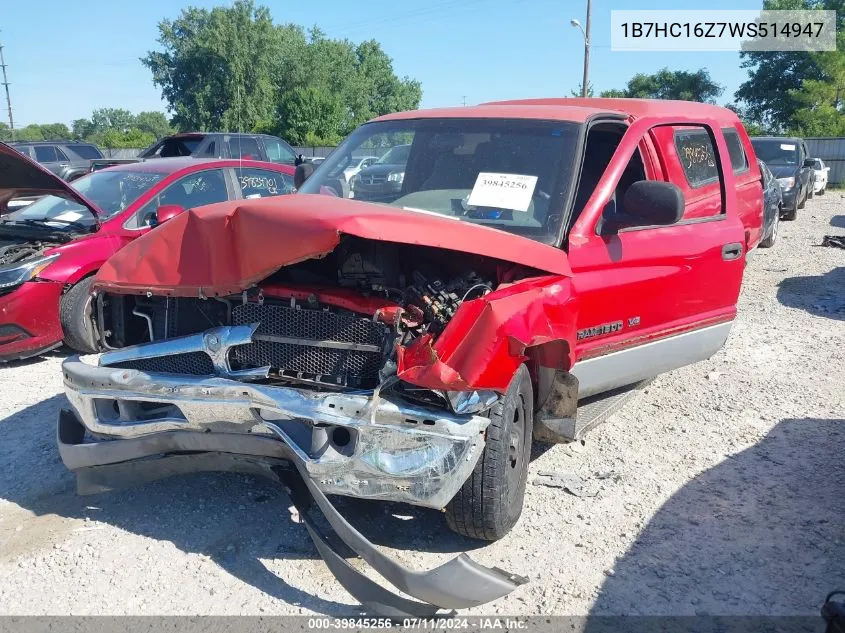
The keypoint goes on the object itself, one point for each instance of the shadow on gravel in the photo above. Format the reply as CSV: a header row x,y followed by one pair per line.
x,y
838,221
820,295
61,352
761,533
236,520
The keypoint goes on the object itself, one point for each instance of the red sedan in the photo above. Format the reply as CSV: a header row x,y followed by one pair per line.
x,y
50,250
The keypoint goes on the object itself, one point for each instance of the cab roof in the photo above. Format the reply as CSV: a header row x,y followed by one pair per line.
x,y
572,109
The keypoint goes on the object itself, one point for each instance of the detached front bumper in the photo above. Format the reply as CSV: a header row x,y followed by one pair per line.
x,y
130,427
351,445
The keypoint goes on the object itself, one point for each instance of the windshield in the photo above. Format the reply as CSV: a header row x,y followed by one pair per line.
x,y
511,175
111,191
776,152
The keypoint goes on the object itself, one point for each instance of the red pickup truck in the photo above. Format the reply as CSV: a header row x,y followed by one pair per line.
x,y
533,259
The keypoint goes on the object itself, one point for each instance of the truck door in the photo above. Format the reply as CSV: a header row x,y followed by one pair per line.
x,y
654,298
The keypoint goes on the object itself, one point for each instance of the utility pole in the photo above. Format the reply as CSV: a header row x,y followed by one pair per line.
x,y
8,99
585,85
585,82
465,101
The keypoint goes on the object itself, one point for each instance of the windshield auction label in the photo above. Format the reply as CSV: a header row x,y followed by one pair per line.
x,y
503,191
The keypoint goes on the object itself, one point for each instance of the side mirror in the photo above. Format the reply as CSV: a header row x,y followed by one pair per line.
x,y
298,160
167,212
647,203
809,162
303,173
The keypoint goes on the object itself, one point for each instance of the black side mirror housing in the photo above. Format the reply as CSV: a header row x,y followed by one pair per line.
x,y
298,160
646,203
303,173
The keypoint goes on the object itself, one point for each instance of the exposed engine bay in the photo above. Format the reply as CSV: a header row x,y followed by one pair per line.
x,y
18,251
333,323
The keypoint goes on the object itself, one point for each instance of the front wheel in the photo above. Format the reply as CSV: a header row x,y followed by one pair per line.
x,y
75,320
490,501
803,201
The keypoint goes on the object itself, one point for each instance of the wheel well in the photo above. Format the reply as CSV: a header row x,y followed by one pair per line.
x,y
543,361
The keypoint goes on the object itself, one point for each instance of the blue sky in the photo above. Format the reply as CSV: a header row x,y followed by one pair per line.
x,y
66,59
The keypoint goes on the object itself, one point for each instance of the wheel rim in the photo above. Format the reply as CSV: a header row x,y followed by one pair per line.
x,y
516,449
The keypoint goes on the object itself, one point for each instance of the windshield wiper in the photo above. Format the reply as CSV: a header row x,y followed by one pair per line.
x,y
47,223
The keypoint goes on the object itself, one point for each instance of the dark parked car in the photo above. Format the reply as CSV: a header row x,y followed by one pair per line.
x,y
788,160
224,145
772,206
383,179
67,159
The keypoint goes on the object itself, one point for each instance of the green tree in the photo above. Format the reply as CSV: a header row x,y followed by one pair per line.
x,y
344,86
153,123
105,119
218,68
232,69
590,91
781,84
115,139
54,131
670,84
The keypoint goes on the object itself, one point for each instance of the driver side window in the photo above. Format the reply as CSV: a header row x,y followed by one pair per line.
x,y
602,141
191,191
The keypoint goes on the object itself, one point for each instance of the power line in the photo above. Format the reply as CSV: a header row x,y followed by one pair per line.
x,y
8,98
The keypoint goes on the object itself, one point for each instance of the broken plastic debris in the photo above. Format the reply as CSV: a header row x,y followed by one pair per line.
x,y
570,482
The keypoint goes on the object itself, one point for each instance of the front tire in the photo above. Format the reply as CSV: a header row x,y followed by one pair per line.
x,y
77,328
490,501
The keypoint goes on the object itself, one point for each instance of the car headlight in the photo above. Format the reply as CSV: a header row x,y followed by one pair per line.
x,y
466,402
16,274
396,176
787,183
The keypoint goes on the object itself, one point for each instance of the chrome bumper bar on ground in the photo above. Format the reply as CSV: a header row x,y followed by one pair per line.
x,y
459,583
396,451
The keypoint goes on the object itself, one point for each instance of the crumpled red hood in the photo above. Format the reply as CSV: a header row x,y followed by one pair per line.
x,y
225,248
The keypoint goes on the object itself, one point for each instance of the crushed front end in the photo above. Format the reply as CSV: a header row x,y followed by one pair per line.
x,y
300,373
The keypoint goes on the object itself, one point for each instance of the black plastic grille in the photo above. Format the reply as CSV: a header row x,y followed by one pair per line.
x,y
192,363
310,327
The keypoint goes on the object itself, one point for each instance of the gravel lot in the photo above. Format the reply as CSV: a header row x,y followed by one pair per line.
x,y
717,491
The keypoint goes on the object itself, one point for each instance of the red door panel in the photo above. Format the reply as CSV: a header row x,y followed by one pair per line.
x,y
648,283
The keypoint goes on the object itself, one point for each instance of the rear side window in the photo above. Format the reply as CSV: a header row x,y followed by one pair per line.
x,y
88,152
277,152
244,147
210,151
261,183
45,154
739,161
697,157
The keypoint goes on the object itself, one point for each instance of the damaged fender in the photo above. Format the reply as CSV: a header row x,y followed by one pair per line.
x,y
488,338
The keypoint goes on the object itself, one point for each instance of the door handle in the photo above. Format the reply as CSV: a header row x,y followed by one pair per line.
x,y
731,251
